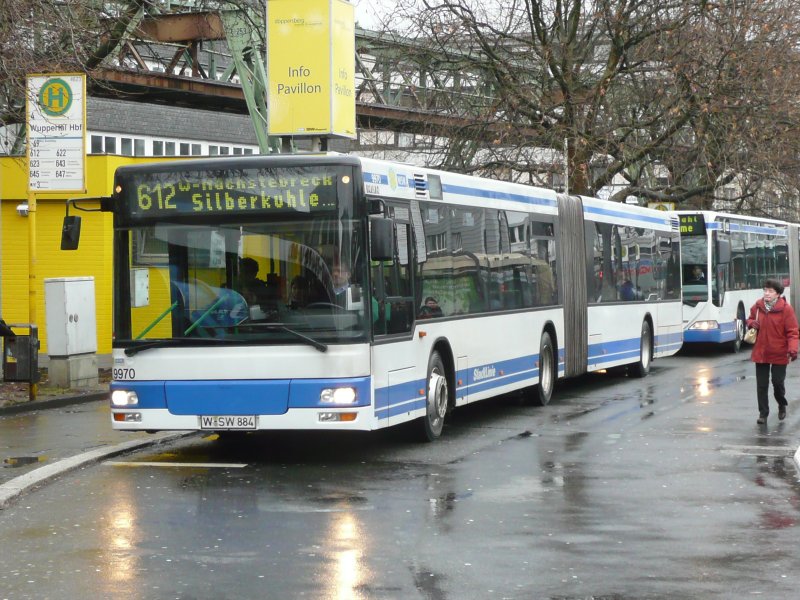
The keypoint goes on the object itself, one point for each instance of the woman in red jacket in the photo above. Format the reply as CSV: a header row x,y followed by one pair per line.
x,y
775,346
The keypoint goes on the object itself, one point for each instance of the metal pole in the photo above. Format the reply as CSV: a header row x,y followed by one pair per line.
x,y
32,276
566,166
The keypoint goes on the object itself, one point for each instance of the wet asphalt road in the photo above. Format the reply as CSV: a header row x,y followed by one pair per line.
x,y
45,436
656,488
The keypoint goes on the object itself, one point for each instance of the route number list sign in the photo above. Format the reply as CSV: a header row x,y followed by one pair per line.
x,y
56,128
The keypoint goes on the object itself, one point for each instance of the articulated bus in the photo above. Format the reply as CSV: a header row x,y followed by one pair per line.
x,y
330,292
725,260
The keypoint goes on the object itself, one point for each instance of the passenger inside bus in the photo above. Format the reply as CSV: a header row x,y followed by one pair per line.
x,y
627,291
341,281
697,275
299,293
430,309
249,285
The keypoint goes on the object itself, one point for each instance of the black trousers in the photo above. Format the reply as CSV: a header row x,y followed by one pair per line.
x,y
762,385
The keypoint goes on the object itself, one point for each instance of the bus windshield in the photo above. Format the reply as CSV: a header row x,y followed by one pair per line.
x,y
694,250
279,281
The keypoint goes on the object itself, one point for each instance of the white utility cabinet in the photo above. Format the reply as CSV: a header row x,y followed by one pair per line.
x,y
70,308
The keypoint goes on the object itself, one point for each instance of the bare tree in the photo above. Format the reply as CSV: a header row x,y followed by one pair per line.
x,y
672,97
740,71
39,36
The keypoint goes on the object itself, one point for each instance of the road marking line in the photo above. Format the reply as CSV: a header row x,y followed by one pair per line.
x,y
10,490
133,463
774,451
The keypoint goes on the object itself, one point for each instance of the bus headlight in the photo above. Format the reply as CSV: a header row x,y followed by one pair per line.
x,y
341,395
124,398
704,325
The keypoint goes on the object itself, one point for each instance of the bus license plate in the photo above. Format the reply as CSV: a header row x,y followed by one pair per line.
x,y
227,422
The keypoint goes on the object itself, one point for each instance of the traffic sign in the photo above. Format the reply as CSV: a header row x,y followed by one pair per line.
x,y
56,127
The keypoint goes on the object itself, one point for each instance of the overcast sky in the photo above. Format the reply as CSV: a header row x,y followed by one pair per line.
x,y
368,11
365,13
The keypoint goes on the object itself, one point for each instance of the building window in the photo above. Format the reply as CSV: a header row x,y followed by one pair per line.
x,y
184,149
111,145
127,147
197,150
138,147
148,249
97,144
237,150
248,150
158,148
213,150
224,150
169,148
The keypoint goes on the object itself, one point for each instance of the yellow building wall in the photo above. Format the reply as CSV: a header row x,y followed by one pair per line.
x,y
93,257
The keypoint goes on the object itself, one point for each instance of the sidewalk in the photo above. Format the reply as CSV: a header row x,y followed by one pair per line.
x,y
14,397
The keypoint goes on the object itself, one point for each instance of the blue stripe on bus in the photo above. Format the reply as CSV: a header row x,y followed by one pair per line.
x,y
408,397
408,390
241,397
669,341
621,349
608,351
776,231
611,212
506,379
526,199
494,195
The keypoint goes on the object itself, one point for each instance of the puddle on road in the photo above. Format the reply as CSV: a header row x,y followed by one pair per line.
x,y
21,461
706,386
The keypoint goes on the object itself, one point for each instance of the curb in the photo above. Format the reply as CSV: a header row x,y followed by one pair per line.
x,y
55,402
11,490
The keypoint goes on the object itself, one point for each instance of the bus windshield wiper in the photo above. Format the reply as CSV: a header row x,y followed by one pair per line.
x,y
308,340
139,347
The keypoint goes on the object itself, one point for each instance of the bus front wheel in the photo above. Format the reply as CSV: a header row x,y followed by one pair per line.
x,y
432,422
738,330
642,368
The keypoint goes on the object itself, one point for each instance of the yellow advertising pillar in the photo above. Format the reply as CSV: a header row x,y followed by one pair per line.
x,y
311,68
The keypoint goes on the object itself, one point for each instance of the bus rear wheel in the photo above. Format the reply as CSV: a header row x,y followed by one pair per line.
x,y
547,371
432,423
642,368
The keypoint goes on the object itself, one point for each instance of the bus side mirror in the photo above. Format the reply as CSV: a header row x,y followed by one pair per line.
x,y
70,233
723,251
381,238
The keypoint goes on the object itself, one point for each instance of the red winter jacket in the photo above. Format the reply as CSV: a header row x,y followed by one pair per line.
x,y
777,332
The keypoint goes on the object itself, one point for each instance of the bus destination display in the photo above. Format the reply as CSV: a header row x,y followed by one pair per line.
x,y
235,192
693,225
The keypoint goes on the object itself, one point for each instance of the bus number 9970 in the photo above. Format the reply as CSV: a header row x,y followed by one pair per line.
x,y
123,374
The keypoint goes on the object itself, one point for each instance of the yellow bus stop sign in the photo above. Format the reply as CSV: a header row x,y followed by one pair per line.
x,y
55,97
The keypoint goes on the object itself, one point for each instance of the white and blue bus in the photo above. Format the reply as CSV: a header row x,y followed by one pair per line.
x,y
383,293
725,260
